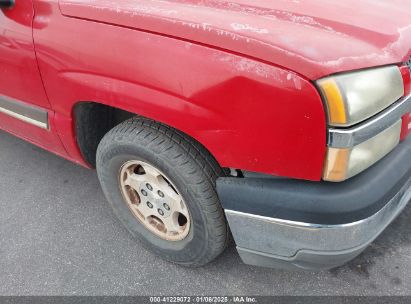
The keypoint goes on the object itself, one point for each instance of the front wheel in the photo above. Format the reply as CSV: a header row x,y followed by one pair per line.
x,y
161,185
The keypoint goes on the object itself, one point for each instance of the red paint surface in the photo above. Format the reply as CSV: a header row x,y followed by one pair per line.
x,y
406,119
406,76
406,126
314,38
233,75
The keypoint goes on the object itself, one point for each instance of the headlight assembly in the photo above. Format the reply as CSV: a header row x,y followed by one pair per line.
x,y
343,163
353,97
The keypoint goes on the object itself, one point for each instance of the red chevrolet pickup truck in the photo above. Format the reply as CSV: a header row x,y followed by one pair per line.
x,y
283,124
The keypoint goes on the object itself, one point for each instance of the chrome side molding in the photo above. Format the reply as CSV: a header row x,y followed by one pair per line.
x,y
350,137
24,112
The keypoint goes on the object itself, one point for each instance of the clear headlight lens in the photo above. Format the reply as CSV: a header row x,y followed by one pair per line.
x,y
354,97
343,163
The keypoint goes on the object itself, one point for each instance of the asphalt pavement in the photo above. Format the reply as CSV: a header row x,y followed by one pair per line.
x,y
58,236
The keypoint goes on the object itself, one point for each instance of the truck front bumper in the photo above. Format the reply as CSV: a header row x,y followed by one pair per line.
x,y
315,225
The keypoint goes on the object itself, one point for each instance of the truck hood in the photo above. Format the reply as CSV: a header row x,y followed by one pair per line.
x,y
314,38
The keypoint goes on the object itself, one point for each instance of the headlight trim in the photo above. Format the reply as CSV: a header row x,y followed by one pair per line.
x,y
347,138
344,163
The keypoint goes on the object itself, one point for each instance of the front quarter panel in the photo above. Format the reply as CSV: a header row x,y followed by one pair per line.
x,y
250,115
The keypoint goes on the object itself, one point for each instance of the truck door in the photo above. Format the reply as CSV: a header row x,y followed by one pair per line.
x,y
24,108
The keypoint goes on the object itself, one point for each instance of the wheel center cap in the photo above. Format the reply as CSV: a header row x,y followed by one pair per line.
x,y
160,206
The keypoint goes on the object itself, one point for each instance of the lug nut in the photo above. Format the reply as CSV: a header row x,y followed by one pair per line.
x,y
144,192
149,187
167,207
161,212
160,194
150,205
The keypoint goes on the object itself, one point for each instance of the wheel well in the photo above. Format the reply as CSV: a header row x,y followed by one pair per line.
x,y
92,121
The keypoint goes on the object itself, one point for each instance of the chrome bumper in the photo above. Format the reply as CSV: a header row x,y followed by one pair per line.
x,y
271,242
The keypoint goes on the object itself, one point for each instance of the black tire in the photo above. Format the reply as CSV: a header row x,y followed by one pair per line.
x,y
188,166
